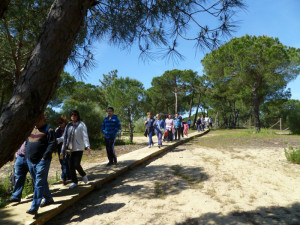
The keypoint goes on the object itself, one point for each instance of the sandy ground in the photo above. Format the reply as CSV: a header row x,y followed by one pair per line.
x,y
196,185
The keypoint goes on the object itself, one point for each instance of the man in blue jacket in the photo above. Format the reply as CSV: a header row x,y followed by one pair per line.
x,y
110,127
177,125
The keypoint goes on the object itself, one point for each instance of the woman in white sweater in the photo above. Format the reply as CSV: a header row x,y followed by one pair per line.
x,y
75,141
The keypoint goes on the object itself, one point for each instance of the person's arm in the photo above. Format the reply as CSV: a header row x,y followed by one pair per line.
x,y
163,125
60,139
103,127
118,126
85,136
51,144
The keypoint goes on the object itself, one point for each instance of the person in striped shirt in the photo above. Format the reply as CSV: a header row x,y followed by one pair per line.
x,y
110,127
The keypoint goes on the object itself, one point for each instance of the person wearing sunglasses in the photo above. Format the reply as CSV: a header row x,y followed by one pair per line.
x,y
75,141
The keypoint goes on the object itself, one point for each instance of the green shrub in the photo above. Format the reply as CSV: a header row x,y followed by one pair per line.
x,y
293,119
139,126
91,114
292,155
4,194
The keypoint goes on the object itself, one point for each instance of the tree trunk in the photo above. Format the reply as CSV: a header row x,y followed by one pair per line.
x,y
39,78
176,99
130,125
256,111
217,120
3,7
2,99
196,114
191,105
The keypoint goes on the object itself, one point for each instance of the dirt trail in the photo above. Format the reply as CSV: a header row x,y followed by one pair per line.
x,y
196,185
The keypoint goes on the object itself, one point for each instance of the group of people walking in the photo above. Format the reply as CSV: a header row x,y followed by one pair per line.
x,y
169,129
69,140
203,122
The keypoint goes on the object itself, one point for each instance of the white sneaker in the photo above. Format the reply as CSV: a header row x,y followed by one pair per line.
x,y
85,179
149,146
73,185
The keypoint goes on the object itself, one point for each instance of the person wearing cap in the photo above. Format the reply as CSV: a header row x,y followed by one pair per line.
x,y
38,152
21,170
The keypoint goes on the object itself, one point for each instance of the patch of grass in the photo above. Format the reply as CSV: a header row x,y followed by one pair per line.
x,y
232,138
123,142
159,190
4,193
292,154
177,172
28,187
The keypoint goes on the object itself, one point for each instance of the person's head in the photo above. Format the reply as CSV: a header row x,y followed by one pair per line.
x,y
157,116
62,121
149,115
198,118
169,115
75,116
176,114
41,121
189,118
110,111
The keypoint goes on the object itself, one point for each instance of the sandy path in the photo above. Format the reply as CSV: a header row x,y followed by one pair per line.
x,y
195,185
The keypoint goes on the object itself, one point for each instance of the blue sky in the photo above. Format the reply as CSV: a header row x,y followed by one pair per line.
x,y
274,18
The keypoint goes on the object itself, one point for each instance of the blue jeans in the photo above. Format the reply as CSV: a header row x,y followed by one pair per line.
x,y
65,171
177,133
150,137
21,170
199,127
39,174
159,137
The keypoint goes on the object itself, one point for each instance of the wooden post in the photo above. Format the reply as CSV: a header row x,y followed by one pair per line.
x,y
250,122
280,122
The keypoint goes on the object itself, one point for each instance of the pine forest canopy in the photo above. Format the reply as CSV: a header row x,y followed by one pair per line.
x,y
253,70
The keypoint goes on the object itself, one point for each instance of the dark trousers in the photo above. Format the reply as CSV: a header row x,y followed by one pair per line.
x,y
110,150
74,164
177,133
181,130
170,135
65,169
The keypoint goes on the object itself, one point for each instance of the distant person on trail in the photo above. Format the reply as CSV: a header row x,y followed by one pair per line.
x,y
198,124
182,127
149,123
185,129
169,127
75,141
59,131
159,129
39,147
189,122
21,170
210,122
177,126
110,127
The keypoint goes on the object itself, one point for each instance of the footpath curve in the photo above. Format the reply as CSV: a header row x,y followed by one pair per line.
x,y
15,214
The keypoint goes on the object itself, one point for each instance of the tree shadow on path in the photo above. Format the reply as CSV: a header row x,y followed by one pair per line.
x,y
263,215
